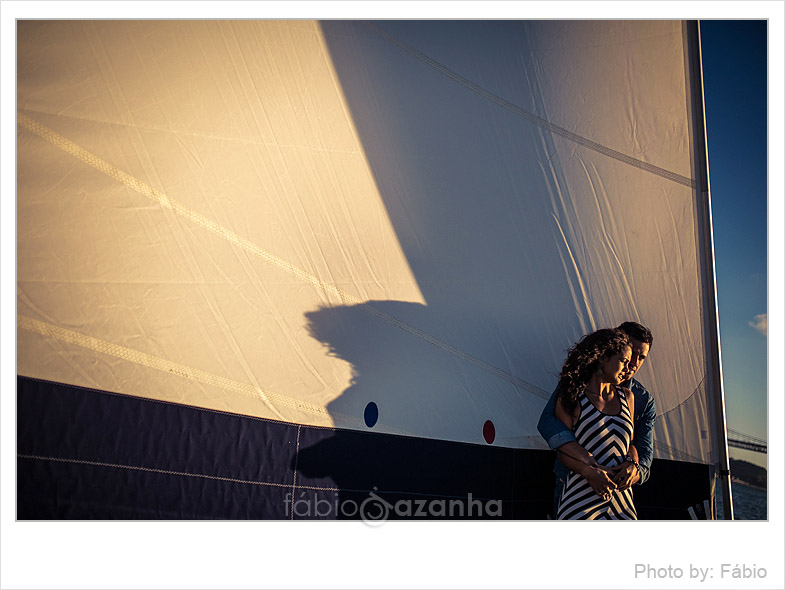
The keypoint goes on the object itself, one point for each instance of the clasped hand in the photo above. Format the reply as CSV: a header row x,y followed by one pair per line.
x,y
624,475
604,480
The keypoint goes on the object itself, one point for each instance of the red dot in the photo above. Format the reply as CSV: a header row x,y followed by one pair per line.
x,y
489,432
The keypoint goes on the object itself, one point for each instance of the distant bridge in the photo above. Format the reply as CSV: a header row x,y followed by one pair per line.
x,y
745,441
741,444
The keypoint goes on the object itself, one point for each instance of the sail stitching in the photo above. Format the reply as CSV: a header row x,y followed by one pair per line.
x,y
164,200
180,370
531,117
333,428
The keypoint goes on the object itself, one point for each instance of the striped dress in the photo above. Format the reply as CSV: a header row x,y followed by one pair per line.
x,y
608,439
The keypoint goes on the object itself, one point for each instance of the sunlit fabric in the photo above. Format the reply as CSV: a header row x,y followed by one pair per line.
x,y
397,227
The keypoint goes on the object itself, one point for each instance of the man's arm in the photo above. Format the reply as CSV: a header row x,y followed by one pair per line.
x,y
553,430
628,471
643,436
588,468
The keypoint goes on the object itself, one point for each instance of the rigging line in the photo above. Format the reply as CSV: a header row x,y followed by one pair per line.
x,y
153,470
235,480
165,201
170,472
531,117
294,471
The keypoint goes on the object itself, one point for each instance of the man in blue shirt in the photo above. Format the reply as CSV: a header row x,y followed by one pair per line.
x,y
638,464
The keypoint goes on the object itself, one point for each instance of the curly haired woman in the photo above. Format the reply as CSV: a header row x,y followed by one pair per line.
x,y
599,412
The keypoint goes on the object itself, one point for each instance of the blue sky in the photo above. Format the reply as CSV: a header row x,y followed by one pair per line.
x,y
734,70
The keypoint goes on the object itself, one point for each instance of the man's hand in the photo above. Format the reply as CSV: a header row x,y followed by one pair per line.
x,y
579,460
625,475
599,480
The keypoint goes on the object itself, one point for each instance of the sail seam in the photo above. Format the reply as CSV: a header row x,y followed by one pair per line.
x,y
379,427
685,400
180,370
208,224
531,117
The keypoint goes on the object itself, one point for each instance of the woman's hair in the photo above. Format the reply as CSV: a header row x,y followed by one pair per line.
x,y
584,359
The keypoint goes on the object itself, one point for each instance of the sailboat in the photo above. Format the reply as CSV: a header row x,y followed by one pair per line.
x,y
320,270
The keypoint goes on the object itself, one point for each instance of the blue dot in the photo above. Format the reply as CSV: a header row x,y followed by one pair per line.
x,y
371,414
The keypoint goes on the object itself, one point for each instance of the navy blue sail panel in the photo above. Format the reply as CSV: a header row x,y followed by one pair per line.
x,y
87,454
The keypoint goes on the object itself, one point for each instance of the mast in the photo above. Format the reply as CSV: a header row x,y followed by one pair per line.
x,y
706,247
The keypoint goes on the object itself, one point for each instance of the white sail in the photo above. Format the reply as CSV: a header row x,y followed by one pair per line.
x,y
295,220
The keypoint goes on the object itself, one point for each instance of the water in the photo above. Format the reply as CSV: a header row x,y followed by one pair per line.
x,y
749,503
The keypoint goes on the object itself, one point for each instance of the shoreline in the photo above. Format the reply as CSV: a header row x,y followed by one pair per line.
x,y
748,484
